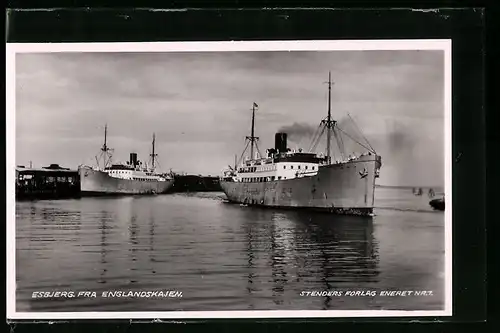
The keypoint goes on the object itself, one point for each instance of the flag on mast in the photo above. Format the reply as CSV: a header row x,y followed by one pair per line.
x,y
255,105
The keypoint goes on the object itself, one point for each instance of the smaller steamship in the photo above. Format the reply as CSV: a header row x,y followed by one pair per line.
x,y
131,177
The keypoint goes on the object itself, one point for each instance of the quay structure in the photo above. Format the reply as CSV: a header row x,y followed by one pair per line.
x,y
56,182
51,182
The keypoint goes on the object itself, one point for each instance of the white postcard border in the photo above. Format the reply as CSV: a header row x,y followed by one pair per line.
x,y
243,46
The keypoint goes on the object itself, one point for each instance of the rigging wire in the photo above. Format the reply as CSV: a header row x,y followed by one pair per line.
x,y
359,143
258,149
316,139
339,145
360,132
332,152
342,141
319,137
159,165
243,153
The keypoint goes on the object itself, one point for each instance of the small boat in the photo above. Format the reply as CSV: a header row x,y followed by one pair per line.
x,y
437,204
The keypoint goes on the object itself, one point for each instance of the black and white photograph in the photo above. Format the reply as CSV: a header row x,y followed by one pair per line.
x,y
229,179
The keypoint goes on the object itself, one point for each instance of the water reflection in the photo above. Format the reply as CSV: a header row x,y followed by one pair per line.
x,y
133,229
347,253
152,243
224,257
280,248
249,233
103,226
310,251
48,222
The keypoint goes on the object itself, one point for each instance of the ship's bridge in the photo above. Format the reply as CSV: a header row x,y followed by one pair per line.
x,y
300,157
120,167
290,156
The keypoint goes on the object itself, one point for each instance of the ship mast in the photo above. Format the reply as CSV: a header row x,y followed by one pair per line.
x,y
328,122
105,146
153,155
252,138
105,150
331,126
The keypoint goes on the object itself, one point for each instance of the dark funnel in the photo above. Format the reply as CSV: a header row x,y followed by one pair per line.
x,y
133,159
280,142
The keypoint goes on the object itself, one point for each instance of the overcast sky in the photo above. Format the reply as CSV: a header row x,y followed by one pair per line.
x,y
198,104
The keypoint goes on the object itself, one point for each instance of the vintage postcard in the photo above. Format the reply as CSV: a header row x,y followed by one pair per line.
x,y
276,179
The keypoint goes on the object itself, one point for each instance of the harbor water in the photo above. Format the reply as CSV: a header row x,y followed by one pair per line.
x,y
224,256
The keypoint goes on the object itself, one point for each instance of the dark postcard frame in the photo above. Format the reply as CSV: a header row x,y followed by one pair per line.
x,y
466,28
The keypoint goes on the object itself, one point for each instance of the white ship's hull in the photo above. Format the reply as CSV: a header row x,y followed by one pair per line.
x,y
347,188
94,182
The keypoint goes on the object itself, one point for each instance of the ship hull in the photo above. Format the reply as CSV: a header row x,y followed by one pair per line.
x,y
347,188
94,182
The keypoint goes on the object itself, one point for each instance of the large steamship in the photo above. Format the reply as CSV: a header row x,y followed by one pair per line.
x,y
286,178
131,177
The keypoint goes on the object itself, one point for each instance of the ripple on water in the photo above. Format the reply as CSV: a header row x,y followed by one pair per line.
x,y
223,256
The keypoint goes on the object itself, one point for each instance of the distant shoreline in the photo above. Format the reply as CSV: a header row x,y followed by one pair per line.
x,y
409,187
